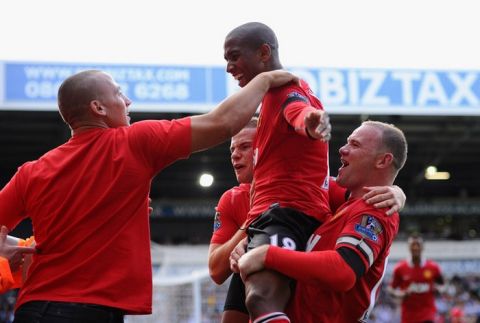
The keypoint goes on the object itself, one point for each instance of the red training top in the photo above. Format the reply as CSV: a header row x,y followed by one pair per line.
x,y
88,201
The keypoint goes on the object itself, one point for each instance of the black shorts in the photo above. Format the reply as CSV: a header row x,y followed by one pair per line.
x,y
283,227
235,300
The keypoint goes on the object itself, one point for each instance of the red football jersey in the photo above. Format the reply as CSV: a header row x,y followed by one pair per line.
x,y
419,280
337,195
369,233
289,169
231,213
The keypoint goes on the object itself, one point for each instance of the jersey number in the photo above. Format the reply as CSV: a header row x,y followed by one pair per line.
x,y
287,243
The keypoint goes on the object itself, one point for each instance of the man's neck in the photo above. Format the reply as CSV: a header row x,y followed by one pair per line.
x,y
416,260
85,127
84,124
276,66
381,180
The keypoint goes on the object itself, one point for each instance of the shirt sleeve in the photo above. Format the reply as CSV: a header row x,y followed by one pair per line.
x,y
161,142
365,234
326,269
295,106
224,225
12,206
395,282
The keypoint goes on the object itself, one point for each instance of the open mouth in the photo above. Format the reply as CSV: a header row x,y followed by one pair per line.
x,y
238,166
344,163
238,77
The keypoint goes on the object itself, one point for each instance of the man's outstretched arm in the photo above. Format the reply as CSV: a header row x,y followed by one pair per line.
x,y
233,113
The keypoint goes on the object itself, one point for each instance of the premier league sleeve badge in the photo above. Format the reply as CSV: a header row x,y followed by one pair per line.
x,y
369,227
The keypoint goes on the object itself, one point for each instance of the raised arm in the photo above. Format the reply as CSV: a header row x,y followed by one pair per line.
x,y
233,113
310,122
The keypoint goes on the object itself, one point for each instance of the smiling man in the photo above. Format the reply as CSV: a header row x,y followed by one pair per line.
x,y
289,196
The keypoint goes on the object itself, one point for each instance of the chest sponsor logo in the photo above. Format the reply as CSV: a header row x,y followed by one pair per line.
x,y
419,288
369,227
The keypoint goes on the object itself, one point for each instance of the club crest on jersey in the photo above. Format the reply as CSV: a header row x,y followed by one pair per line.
x,y
369,227
216,221
427,274
295,96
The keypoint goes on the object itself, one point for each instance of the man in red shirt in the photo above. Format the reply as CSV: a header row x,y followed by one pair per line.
x,y
289,195
338,279
88,198
415,281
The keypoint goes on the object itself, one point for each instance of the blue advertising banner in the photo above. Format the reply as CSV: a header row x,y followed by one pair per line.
x,y
396,91
158,88
33,86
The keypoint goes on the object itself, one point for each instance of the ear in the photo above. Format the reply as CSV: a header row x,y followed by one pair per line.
x,y
97,108
384,160
265,52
